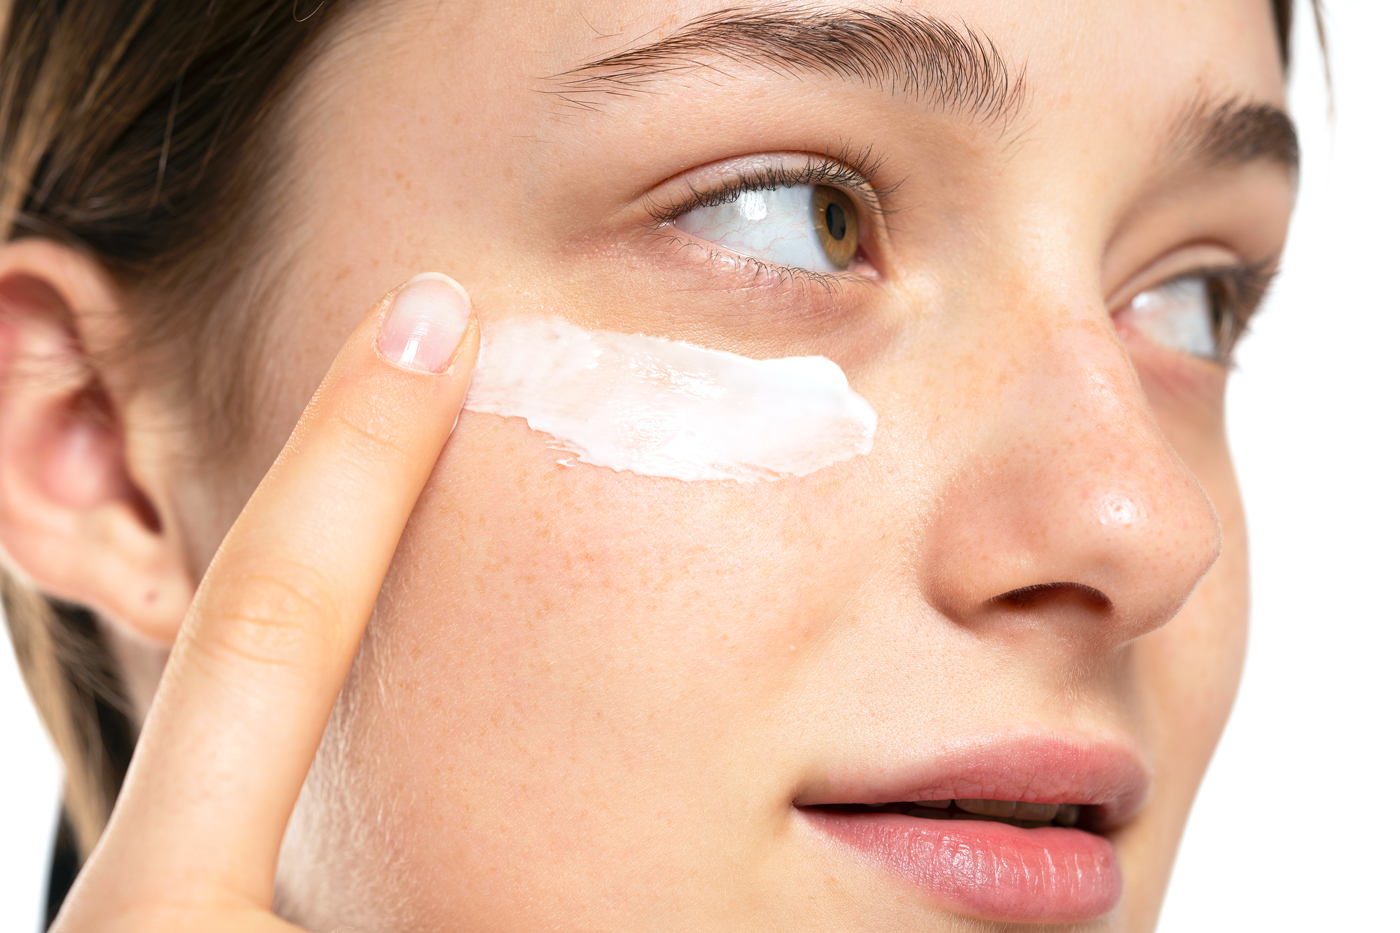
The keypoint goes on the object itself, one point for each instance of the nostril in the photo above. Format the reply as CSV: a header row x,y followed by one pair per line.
x,y
1027,596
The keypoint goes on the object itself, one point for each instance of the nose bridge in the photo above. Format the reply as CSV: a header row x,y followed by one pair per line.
x,y
1067,492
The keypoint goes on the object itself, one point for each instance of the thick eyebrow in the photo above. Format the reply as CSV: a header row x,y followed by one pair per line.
x,y
908,54
1234,132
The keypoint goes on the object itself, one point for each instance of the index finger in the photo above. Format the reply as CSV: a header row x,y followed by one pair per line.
x,y
274,626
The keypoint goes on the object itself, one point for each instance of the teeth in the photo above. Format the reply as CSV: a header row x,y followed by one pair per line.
x,y
1020,812
1064,814
1002,808
1036,812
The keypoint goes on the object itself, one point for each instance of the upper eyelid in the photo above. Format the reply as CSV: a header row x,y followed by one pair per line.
x,y
1177,263
1252,279
853,172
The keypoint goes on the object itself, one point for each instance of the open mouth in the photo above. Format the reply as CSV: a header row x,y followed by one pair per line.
x,y
1011,812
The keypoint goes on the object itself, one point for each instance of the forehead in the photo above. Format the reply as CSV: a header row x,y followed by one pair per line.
x,y
1142,60
1071,77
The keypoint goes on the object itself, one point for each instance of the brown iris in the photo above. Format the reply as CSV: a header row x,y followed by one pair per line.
x,y
838,229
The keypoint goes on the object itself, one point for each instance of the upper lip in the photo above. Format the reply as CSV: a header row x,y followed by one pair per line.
x,y
1033,767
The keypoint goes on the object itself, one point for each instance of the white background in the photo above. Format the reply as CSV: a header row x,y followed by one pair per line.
x,y
1294,823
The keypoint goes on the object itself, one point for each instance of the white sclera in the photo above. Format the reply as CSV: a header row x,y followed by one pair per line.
x,y
1177,315
773,226
665,408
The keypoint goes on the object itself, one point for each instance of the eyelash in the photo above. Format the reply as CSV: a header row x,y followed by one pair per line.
x,y
1236,293
847,169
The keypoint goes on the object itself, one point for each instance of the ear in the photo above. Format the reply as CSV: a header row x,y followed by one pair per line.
x,y
73,519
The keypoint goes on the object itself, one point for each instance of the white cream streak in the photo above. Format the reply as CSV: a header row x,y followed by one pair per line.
x,y
665,408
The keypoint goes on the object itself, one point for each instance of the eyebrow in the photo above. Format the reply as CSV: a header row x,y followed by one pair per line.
x,y
908,54
1233,133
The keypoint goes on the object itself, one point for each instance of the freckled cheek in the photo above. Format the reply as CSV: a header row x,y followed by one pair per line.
x,y
599,598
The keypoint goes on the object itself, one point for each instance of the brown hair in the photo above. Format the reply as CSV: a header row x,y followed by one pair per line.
x,y
125,126
138,131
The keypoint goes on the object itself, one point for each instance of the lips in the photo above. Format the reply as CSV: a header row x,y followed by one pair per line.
x,y
975,856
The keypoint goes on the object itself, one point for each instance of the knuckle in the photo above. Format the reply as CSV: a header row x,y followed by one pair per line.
x,y
371,434
279,613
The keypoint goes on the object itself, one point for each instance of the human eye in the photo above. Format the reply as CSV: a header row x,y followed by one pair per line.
x,y
809,217
1202,313
810,227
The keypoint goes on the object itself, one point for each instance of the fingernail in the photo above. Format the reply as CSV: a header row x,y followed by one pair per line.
x,y
429,317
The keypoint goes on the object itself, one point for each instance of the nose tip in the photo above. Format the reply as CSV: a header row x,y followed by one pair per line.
x,y
1070,504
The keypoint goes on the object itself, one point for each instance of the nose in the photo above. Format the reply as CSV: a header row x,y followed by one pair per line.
x,y
1066,501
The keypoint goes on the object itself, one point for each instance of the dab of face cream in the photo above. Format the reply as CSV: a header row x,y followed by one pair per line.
x,y
665,408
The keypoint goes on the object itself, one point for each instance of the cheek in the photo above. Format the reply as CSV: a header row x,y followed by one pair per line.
x,y
572,637
1188,673
1192,666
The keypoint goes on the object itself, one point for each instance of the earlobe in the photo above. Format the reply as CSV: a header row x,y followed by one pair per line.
x,y
73,520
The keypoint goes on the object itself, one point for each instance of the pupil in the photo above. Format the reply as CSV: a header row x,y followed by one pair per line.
x,y
836,221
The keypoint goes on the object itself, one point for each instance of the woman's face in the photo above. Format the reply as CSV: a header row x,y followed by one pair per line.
x,y
597,700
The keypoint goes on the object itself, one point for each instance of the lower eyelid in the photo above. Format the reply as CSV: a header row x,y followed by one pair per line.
x,y
726,271
862,271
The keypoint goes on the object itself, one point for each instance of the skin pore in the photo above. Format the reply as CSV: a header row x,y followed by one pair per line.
x,y
596,700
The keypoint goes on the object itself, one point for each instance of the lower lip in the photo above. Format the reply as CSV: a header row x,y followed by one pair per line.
x,y
993,871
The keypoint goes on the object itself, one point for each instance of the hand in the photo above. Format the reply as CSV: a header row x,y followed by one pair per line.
x,y
268,640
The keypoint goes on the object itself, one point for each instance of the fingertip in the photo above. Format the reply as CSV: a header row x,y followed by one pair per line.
x,y
429,318
443,278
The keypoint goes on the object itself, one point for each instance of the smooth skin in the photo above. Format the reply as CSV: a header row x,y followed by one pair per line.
x,y
587,700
